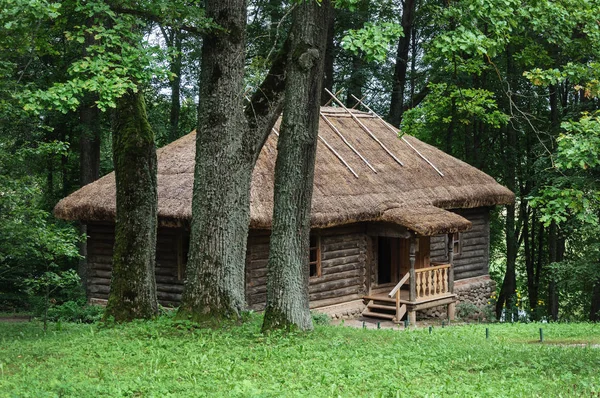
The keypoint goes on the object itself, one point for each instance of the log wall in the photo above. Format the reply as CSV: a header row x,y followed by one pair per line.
x,y
170,261
475,255
343,268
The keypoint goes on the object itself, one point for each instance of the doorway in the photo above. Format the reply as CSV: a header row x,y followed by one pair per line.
x,y
388,260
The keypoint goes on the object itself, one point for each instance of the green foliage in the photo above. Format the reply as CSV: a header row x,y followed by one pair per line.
x,y
372,40
167,357
74,311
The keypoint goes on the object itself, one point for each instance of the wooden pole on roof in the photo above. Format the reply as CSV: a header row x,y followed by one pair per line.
x,y
331,99
335,130
396,132
365,128
332,150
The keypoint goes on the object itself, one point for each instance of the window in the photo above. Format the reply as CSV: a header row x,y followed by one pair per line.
x,y
457,243
314,259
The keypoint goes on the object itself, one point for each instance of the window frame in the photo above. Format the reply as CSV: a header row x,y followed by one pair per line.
x,y
457,243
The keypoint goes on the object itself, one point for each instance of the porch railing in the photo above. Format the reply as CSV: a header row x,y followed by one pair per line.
x,y
432,281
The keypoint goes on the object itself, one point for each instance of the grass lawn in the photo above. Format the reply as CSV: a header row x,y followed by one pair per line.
x,y
165,358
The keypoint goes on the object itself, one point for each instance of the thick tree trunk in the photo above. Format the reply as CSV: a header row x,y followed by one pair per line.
x,y
288,268
397,102
133,286
228,142
356,82
220,206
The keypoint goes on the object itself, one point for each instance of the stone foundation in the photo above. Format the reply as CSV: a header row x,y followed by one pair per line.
x,y
476,291
349,310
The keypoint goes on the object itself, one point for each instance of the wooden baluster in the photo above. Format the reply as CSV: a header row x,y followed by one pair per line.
x,y
435,281
430,281
418,285
445,280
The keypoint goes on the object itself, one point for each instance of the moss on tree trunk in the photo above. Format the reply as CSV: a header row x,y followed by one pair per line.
x,y
287,280
133,286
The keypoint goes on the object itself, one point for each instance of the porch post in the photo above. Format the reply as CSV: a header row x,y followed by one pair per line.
x,y
412,295
451,307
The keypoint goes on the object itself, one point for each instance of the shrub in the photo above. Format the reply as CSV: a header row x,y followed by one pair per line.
x,y
72,311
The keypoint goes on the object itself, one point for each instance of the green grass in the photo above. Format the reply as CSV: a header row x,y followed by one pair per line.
x,y
164,358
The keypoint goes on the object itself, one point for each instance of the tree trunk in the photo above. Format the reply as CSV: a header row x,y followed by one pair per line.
x,y
329,58
288,267
509,285
228,142
397,101
133,286
175,87
552,288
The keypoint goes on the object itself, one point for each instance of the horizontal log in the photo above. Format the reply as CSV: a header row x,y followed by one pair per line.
x,y
99,273
256,289
99,281
98,289
470,274
469,267
173,297
258,263
100,266
341,268
334,246
347,291
343,230
343,260
257,300
349,274
257,273
334,285
354,251
316,304
169,280
169,288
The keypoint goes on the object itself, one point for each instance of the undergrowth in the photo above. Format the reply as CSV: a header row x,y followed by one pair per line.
x,y
177,358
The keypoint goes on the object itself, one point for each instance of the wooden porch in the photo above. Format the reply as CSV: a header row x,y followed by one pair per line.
x,y
427,287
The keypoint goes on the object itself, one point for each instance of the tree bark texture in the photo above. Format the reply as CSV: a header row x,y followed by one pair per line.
x,y
133,286
175,69
288,268
397,102
228,142
328,70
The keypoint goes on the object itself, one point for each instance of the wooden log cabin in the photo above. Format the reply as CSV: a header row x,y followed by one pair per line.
x,y
397,225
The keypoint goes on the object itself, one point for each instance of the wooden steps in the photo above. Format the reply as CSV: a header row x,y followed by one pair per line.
x,y
383,308
378,315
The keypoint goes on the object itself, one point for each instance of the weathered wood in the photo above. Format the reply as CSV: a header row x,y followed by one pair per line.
x,y
333,293
342,268
344,253
413,279
336,300
333,285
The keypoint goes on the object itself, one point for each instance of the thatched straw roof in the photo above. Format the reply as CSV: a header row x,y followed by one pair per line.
x,y
413,195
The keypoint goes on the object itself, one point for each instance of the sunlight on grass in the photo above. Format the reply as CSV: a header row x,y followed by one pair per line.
x,y
168,358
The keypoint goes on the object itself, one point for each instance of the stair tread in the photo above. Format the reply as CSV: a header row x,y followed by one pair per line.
x,y
380,298
378,315
382,307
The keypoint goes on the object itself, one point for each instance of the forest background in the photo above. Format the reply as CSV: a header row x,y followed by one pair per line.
x,y
509,87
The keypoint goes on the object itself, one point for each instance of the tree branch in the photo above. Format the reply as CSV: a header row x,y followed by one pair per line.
x,y
266,103
157,19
